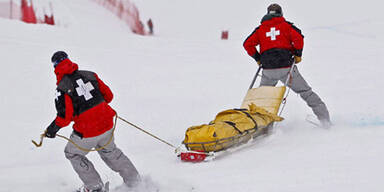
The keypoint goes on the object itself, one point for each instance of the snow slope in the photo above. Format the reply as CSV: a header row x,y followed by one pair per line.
x,y
183,76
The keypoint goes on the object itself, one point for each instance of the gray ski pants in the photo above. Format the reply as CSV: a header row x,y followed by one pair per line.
x,y
111,155
297,83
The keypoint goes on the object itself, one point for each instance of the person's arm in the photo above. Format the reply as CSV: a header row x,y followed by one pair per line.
x,y
105,90
250,45
297,41
64,108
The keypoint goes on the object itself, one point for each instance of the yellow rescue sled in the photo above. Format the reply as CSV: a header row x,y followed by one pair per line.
x,y
232,127
229,128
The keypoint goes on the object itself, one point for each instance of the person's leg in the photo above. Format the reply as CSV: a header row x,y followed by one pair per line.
x,y
300,86
268,78
117,160
83,167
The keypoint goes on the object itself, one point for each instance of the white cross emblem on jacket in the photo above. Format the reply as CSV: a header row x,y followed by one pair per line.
x,y
273,33
57,94
84,89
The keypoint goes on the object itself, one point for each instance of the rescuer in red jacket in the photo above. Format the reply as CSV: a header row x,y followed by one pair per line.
x,y
281,45
83,98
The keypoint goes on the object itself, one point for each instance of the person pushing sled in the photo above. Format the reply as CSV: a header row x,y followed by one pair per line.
x,y
281,45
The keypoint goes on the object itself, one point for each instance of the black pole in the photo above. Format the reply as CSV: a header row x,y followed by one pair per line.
x,y
254,78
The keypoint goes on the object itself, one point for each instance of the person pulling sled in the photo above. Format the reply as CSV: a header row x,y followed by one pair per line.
x,y
281,46
82,97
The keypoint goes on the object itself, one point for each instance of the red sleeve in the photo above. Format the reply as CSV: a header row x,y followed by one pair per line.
x,y
251,42
105,90
297,39
62,122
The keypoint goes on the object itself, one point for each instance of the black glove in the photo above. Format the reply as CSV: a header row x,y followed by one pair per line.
x,y
257,58
52,129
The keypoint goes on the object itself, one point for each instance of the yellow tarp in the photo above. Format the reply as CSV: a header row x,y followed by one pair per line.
x,y
227,128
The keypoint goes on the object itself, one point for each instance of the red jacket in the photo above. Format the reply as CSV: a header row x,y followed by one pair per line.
x,y
90,122
274,33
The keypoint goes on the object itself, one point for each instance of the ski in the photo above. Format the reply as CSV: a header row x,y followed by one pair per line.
x,y
105,188
310,119
313,121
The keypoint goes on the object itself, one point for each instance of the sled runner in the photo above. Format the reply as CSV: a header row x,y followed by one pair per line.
x,y
234,127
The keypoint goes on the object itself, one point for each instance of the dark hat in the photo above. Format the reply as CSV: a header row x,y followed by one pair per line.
x,y
58,57
275,9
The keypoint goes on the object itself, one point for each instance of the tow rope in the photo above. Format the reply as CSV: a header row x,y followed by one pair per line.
x,y
148,133
183,153
42,136
178,150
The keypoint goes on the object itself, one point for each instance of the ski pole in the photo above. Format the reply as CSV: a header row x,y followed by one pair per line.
x,y
255,77
146,132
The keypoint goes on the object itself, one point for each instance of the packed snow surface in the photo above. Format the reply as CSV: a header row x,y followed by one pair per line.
x,y
183,76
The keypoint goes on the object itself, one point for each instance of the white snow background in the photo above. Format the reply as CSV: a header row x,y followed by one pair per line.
x,y
183,76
